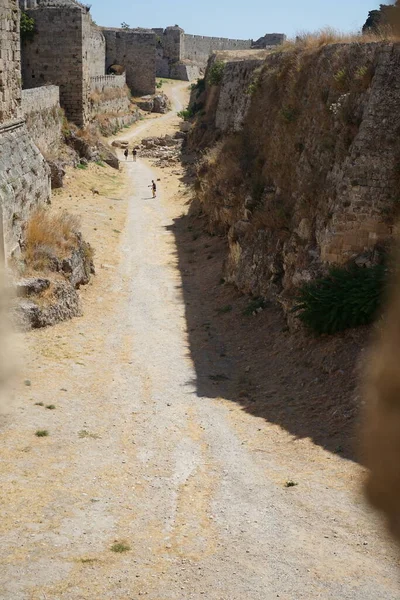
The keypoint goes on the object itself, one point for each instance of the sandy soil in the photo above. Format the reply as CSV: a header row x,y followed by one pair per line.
x,y
151,446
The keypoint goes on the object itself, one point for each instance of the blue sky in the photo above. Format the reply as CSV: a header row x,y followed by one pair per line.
x,y
233,18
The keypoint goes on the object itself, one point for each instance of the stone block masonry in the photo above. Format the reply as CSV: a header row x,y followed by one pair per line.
x,y
96,52
177,51
10,84
198,48
134,49
110,95
67,50
101,83
55,56
44,117
24,181
24,174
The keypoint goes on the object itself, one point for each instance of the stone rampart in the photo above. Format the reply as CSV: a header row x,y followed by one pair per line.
x,y
55,55
24,174
24,181
10,87
96,52
198,48
134,49
43,115
177,50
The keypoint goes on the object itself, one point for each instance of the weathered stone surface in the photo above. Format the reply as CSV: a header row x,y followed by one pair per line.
x,y
78,266
183,56
24,175
63,305
108,157
120,144
185,126
32,286
161,104
301,180
44,117
146,103
57,173
135,49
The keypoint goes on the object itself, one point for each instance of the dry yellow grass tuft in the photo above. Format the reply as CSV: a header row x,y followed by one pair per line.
x,y
48,235
328,35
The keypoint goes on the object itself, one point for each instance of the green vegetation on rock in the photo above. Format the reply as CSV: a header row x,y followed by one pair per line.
x,y
347,297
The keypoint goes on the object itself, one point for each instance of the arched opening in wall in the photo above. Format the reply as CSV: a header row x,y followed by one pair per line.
x,y
116,69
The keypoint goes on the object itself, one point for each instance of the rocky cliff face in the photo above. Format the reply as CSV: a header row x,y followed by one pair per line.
x,y
302,165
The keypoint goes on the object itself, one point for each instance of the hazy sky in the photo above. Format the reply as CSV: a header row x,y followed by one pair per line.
x,y
233,18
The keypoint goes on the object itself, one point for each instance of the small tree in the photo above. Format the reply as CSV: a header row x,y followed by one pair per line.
x,y
27,27
384,17
216,73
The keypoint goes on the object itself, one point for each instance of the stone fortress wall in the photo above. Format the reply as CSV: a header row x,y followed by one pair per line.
x,y
134,49
198,48
68,49
44,117
55,56
183,56
96,51
24,174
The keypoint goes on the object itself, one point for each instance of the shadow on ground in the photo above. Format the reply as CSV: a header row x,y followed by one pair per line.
x,y
305,385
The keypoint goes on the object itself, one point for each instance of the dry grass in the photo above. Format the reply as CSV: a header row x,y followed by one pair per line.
x,y
48,235
97,96
328,35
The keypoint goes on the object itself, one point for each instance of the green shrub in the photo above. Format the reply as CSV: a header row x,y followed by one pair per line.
x,y
340,79
347,297
192,110
216,73
200,86
27,27
185,114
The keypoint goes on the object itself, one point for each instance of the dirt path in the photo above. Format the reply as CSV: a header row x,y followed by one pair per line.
x,y
190,483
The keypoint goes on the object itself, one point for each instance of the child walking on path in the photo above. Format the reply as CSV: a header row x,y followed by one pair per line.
x,y
153,188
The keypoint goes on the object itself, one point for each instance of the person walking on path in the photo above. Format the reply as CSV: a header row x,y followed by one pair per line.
x,y
153,188
134,154
126,153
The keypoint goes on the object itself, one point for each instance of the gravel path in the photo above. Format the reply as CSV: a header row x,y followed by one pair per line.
x,y
136,457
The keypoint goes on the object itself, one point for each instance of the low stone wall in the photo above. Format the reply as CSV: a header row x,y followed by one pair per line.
x,y
110,95
43,115
24,180
103,82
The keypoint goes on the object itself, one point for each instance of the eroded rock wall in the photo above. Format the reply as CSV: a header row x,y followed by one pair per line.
x,y
306,170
